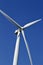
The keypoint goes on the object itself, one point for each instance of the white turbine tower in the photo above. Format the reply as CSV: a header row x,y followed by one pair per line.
x,y
18,31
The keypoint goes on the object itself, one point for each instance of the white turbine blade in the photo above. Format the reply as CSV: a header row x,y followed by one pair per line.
x,y
9,18
31,23
28,50
15,59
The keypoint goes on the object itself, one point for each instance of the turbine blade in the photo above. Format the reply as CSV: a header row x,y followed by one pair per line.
x,y
15,59
28,50
9,18
31,23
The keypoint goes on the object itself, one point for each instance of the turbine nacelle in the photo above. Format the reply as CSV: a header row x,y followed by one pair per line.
x,y
18,30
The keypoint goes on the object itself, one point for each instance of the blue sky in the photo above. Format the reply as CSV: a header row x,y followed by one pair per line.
x,y
22,11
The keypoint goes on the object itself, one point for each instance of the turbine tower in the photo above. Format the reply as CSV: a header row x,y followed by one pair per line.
x,y
17,32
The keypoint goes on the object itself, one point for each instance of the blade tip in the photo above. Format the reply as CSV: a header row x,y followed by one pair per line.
x,y
40,19
0,10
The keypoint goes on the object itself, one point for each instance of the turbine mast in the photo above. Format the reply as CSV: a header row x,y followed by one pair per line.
x,y
15,59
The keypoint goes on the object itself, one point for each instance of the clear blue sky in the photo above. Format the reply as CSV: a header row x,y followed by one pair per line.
x,y
22,11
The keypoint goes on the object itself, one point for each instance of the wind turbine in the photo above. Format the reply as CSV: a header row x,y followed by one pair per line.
x,y
17,32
